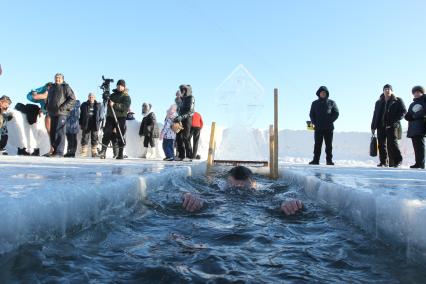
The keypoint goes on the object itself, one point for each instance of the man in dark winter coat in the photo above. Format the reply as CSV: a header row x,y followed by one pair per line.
x,y
120,102
185,112
388,112
60,102
324,113
416,125
90,122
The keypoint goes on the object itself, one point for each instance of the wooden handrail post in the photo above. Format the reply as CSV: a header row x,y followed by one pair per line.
x,y
271,151
212,146
276,133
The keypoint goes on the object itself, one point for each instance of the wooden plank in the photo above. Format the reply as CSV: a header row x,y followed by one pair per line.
x,y
236,162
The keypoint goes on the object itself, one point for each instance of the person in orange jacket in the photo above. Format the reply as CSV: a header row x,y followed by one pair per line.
x,y
197,125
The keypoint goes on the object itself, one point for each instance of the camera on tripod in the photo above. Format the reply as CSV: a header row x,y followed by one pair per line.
x,y
105,87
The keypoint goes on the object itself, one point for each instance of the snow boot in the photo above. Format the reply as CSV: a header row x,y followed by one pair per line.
x,y
94,151
23,152
36,152
102,153
144,152
120,154
115,150
84,151
330,163
314,162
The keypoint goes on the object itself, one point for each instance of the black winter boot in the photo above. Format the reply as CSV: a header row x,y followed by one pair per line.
x,y
102,153
36,152
115,150
120,154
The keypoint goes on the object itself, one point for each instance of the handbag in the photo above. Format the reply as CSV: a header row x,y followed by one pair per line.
x,y
373,146
177,127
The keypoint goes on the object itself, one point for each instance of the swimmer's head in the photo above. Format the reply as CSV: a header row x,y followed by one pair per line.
x,y
241,177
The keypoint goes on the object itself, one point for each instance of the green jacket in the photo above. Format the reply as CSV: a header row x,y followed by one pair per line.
x,y
122,103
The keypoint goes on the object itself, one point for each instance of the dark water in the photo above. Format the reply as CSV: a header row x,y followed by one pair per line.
x,y
238,237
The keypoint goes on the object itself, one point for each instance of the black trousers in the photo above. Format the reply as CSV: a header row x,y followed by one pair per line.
x,y
183,139
3,141
392,145
195,135
57,134
89,134
72,143
111,132
419,149
325,135
383,149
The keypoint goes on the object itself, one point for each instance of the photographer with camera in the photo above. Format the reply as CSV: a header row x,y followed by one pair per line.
x,y
118,104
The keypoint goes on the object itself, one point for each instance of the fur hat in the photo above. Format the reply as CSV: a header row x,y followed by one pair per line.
x,y
418,89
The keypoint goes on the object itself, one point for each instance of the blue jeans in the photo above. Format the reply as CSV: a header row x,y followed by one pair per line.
x,y
169,148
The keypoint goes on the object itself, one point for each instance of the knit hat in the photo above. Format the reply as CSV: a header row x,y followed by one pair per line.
x,y
323,88
418,89
121,82
387,86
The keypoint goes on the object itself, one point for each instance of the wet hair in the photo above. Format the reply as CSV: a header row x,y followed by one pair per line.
x,y
241,173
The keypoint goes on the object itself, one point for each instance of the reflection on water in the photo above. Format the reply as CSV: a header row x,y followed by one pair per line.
x,y
236,237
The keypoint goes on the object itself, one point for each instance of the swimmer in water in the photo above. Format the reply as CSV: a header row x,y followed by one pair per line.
x,y
239,177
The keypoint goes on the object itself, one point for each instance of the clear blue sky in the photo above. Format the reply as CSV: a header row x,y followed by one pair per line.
x,y
353,47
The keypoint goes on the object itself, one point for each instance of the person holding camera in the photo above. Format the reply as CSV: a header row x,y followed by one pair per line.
x,y
118,105
185,111
60,102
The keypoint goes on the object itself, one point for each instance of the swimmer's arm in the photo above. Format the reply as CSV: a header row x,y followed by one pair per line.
x,y
291,206
192,202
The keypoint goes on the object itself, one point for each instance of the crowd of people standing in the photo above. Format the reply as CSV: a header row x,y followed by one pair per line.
x,y
65,117
388,112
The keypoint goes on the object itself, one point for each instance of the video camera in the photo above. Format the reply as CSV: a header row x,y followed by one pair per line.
x,y
105,87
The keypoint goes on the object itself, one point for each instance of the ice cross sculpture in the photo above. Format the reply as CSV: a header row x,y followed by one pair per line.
x,y
239,99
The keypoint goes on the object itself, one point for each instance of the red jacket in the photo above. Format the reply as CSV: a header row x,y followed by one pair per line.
x,y
197,120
